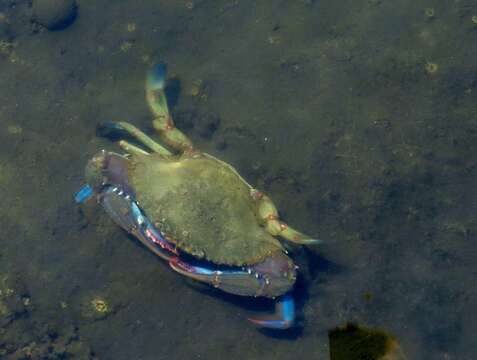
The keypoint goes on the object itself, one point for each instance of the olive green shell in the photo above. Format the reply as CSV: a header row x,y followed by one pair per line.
x,y
202,205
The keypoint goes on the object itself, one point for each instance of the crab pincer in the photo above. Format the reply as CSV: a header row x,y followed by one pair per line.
x,y
283,318
240,281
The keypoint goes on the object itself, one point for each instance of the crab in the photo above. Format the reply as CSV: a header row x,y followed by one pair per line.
x,y
195,211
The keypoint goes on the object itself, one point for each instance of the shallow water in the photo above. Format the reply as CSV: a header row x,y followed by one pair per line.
x,y
357,117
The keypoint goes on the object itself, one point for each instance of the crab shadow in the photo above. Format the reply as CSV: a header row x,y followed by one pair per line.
x,y
254,307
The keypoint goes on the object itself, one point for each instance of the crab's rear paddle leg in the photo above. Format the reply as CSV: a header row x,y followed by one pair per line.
x,y
269,215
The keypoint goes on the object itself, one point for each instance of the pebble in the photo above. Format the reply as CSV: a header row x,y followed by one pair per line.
x,y
14,130
54,14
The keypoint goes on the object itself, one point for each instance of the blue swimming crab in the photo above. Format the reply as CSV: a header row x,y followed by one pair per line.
x,y
195,211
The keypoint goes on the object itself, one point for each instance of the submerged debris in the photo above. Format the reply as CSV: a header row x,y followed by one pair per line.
x,y
354,342
95,308
431,67
430,13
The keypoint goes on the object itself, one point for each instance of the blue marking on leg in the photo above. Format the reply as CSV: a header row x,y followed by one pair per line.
x,y
283,318
84,194
205,274
156,77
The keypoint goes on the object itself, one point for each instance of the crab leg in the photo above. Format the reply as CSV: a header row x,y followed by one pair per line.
x,y
269,215
108,127
132,149
240,281
283,318
156,98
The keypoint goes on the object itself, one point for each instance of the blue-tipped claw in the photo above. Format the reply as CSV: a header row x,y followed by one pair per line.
x,y
156,77
283,318
84,194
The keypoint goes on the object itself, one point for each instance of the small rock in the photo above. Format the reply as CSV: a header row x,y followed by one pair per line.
x,y
54,14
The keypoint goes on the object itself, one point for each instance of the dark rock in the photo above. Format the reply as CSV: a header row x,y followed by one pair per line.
x,y
354,342
54,14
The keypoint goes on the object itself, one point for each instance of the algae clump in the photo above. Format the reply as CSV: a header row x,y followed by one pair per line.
x,y
354,342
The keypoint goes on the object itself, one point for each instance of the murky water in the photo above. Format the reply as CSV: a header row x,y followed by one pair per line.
x,y
357,117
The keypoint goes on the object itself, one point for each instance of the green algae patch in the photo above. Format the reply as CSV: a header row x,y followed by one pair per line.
x,y
96,308
354,342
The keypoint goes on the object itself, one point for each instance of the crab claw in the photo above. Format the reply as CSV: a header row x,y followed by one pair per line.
x,y
125,212
84,194
238,282
283,318
272,277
